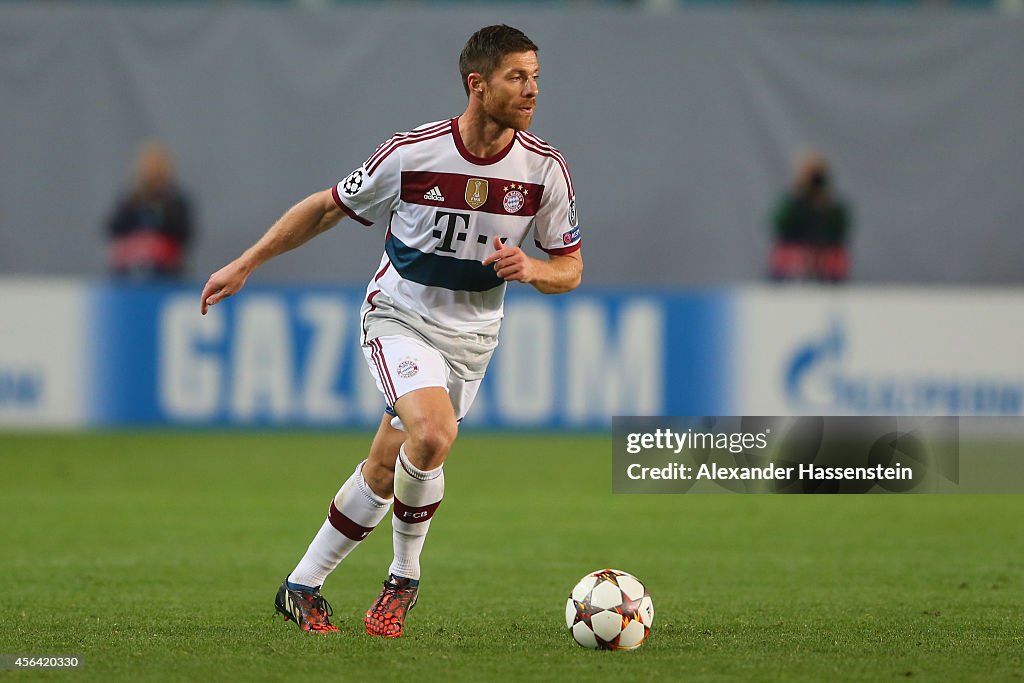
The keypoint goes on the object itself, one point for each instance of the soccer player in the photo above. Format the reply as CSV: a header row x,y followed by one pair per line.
x,y
458,198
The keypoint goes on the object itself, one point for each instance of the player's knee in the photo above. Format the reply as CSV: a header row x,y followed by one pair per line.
x,y
432,439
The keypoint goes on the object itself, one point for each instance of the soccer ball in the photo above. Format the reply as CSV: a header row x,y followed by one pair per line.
x,y
609,610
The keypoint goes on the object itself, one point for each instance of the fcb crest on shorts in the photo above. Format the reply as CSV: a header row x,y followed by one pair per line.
x,y
476,192
407,369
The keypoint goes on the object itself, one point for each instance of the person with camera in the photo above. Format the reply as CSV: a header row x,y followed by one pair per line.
x,y
811,226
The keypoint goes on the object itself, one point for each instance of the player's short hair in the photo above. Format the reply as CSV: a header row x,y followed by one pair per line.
x,y
487,47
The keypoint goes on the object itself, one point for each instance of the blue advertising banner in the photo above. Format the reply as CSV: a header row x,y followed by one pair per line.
x,y
290,356
78,354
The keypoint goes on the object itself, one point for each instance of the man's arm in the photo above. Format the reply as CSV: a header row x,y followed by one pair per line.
x,y
307,219
560,273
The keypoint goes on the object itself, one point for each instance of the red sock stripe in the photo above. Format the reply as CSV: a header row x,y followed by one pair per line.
x,y
406,513
346,526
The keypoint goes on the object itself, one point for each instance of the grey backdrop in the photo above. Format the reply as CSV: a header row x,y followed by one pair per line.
x,y
678,127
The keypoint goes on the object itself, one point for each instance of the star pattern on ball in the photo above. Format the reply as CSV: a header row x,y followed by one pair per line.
x,y
607,575
585,612
628,609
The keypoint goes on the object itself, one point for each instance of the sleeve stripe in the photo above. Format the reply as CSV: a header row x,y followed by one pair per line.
x,y
402,136
393,147
350,212
538,142
400,139
551,153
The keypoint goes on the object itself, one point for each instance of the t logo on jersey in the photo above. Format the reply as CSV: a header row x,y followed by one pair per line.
x,y
476,192
451,230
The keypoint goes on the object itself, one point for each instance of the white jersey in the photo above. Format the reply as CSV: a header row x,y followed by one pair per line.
x,y
442,206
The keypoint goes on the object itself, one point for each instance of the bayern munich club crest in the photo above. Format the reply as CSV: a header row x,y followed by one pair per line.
x,y
514,199
407,368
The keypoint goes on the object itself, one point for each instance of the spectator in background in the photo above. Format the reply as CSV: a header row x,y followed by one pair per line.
x,y
151,227
812,225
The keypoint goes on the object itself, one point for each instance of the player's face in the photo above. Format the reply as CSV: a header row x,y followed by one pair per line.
x,y
510,94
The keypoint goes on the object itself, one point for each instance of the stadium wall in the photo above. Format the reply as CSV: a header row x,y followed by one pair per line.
x,y
679,126
95,355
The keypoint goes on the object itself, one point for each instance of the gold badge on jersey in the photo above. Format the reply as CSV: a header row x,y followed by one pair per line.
x,y
476,192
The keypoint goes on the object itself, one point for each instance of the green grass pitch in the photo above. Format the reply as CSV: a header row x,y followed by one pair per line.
x,y
156,556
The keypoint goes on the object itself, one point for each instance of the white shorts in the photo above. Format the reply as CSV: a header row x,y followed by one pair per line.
x,y
402,364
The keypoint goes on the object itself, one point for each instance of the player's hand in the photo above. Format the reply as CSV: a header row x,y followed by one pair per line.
x,y
222,284
510,263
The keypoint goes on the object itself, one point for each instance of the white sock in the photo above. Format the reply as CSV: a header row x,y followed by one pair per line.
x,y
417,495
353,514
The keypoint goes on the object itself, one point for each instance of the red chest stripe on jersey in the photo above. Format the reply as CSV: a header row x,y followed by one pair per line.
x,y
418,188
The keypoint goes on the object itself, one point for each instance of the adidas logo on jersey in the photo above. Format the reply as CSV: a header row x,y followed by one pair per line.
x,y
434,195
